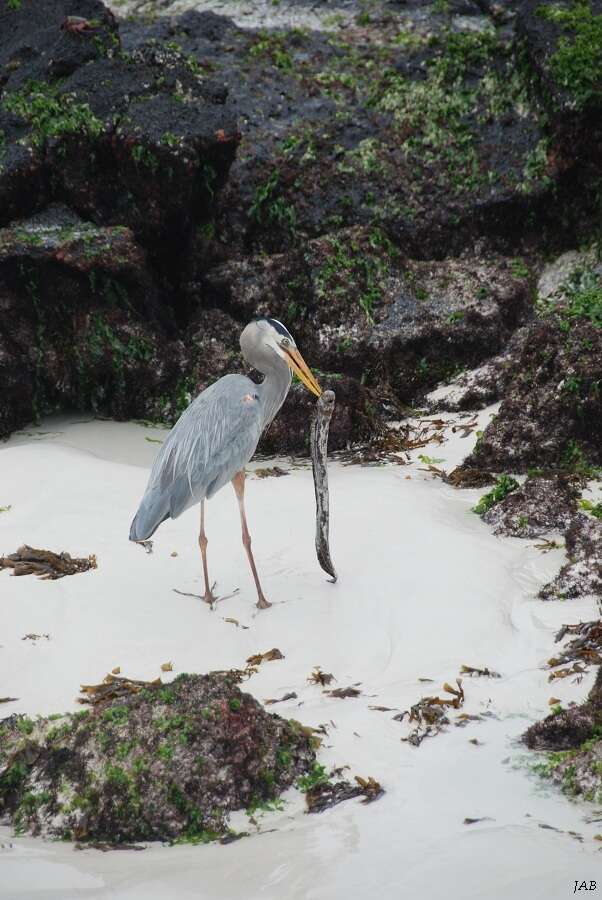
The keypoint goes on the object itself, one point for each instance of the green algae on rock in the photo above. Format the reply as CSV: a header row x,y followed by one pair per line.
x,y
168,763
551,414
581,576
564,42
572,739
540,505
382,169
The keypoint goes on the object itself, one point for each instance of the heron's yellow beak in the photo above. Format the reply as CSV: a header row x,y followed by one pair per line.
x,y
302,371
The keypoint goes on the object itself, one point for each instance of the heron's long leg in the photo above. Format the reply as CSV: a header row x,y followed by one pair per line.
x,y
209,597
238,483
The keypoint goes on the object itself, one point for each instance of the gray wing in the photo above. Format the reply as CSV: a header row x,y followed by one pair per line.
x,y
211,441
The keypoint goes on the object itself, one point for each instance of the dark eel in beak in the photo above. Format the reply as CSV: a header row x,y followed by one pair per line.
x,y
319,456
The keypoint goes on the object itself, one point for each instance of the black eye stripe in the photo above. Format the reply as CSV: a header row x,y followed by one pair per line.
x,y
277,326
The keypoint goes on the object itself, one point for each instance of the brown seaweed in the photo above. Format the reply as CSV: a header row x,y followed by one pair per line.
x,y
326,794
46,564
474,672
429,713
584,650
257,658
320,677
290,696
113,687
342,693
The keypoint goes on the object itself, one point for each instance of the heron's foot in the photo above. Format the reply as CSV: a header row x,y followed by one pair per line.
x,y
212,599
262,603
208,597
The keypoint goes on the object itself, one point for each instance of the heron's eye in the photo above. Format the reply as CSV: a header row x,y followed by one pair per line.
x,y
285,342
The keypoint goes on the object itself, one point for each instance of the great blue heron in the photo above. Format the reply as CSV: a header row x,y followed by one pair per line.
x,y
216,436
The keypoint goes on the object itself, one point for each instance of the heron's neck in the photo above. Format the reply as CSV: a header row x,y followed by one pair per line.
x,y
274,388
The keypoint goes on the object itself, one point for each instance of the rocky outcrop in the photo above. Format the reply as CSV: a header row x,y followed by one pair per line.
x,y
143,138
47,41
551,414
354,419
437,139
548,378
386,188
82,323
582,575
170,762
129,150
541,505
476,388
568,728
573,735
359,308
36,47
111,344
561,45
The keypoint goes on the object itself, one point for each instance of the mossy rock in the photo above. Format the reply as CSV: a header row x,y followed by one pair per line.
x,y
572,739
551,414
139,140
563,42
168,763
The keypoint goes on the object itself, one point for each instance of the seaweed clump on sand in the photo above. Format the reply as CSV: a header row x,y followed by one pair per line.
x,y
169,762
46,564
572,738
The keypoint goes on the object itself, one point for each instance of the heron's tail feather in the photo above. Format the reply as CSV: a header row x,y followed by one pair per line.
x,y
153,510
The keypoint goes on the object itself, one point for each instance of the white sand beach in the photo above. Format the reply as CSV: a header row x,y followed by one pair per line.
x,y
424,587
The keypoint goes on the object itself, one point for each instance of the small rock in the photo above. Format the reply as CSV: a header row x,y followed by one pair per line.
x,y
540,505
169,762
582,575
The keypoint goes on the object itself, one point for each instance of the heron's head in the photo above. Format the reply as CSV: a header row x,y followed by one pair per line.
x,y
264,337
